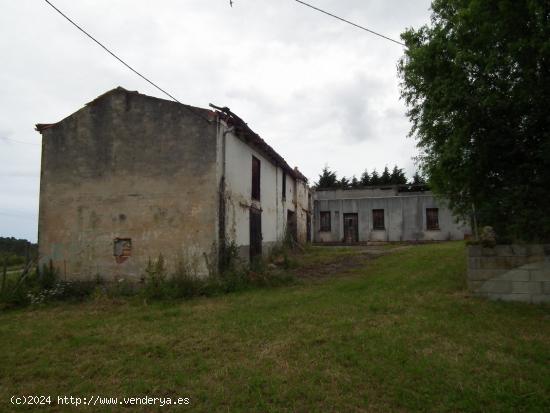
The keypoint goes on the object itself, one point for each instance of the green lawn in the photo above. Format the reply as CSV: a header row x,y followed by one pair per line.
x,y
398,333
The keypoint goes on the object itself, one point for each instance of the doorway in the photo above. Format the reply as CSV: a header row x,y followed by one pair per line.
x,y
255,233
291,225
351,228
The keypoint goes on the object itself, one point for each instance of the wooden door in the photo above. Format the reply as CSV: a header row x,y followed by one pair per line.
x,y
351,228
255,233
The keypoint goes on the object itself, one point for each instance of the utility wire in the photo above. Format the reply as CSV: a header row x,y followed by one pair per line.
x,y
124,63
347,21
16,141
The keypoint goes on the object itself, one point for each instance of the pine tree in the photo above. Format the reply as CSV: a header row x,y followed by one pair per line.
x,y
385,178
344,183
375,178
327,179
417,179
365,178
397,176
355,183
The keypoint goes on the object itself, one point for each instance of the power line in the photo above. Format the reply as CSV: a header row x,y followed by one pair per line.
x,y
124,63
13,140
347,21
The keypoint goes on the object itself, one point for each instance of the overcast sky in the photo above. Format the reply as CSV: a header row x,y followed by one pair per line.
x,y
318,90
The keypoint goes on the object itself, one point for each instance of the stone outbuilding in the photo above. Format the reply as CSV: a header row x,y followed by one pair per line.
x,y
129,177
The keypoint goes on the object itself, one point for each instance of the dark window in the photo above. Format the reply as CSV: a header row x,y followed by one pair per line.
x,y
325,220
432,219
255,178
284,185
378,219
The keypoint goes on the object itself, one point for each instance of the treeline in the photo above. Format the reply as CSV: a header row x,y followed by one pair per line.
x,y
329,179
15,251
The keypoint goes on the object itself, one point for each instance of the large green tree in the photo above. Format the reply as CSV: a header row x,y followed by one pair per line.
x,y
477,84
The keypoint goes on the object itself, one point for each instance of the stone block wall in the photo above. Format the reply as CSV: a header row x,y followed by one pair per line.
x,y
510,272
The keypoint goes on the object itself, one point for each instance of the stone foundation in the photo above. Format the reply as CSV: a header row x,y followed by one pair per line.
x,y
510,272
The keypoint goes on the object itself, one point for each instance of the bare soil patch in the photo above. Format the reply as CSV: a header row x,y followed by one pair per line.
x,y
341,265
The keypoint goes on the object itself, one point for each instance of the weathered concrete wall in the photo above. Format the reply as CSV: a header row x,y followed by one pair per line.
x,y
510,272
404,216
302,210
127,166
374,192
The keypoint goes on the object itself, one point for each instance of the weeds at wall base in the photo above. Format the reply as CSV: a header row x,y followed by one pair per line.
x,y
41,286
157,283
184,283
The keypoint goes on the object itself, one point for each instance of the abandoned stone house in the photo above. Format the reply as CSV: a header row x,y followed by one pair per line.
x,y
129,177
387,213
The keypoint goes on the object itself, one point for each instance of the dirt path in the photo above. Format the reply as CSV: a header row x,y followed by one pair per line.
x,y
343,264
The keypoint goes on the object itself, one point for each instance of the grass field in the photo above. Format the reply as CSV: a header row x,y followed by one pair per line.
x,y
395,333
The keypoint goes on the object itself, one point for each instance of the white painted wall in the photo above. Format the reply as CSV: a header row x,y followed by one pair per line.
x,y
238,190
235,164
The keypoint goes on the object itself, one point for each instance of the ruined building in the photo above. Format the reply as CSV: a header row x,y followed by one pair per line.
x,y
382,214
129,177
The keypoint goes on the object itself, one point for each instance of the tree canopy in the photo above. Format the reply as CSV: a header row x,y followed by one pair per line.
x,y
16,246
477,85
328,179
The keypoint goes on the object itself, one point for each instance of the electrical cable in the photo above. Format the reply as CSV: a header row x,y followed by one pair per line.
x,y
124,63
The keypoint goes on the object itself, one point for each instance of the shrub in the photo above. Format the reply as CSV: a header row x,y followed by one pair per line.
x,y
41,287
10,259
47,278
155,279
288,262
18,291
229,259
235,280
13,294
185,282
121,288
76,290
